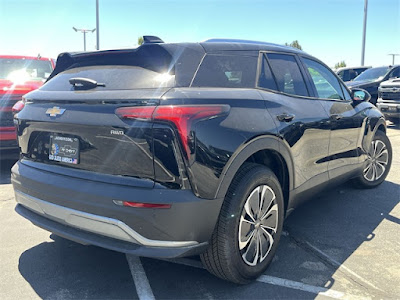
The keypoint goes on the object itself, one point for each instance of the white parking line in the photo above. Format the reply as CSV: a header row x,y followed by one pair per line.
x,y
278,281
142,285
342,266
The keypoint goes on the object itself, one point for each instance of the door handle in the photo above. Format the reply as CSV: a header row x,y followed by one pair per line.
x,y
285,117
336,117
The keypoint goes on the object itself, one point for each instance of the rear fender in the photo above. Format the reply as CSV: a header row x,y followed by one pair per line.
x,y
247,150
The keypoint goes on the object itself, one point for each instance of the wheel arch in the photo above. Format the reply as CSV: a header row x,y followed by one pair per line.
x,y
266,150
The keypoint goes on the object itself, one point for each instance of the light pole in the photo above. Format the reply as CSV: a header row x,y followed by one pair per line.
x,y
97,26
84,31
364,32
393,55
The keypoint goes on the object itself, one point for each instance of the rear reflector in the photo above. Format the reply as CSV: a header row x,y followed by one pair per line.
x,y
18,106
181,116
141,205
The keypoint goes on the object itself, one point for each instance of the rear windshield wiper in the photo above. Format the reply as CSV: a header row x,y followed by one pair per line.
x,y
80,82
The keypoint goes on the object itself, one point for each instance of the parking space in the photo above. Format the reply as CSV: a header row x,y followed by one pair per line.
x,y
342,244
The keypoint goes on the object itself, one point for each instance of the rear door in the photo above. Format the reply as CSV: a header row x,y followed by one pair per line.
x,y
301,120
345,121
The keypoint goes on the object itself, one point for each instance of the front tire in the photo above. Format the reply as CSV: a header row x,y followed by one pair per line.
x,y
378,163
249,226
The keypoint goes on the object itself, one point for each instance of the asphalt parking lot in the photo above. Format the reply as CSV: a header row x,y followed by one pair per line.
x,y
343,244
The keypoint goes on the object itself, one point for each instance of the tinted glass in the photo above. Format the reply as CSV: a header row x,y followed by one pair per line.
x,y
287,74
227,71
346,75
266,80
372,74
347,95
395,73
114,78
325,82
24,69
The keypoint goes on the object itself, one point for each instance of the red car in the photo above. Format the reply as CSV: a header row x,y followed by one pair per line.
x,y
18,76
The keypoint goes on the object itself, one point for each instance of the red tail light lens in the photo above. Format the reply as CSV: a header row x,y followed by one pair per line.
x,y
140,112
181,116
18,106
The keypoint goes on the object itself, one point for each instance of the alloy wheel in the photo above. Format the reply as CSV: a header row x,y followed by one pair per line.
x,y
258,225
377,161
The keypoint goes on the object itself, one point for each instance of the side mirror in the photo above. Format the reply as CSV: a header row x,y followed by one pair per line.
x,y
360,95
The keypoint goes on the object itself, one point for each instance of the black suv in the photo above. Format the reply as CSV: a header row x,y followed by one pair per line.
x,y
171,150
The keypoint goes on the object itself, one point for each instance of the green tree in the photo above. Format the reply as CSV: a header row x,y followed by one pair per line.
x,y
140,40
341,64
294,44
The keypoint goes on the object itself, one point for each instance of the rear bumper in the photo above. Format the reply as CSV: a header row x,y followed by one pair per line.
x,y
87,238
84,211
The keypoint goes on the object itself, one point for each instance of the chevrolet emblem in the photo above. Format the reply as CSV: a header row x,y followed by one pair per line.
x,y
55,111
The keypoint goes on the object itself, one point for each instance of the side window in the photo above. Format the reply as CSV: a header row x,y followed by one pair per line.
x,y
287,74
347,95
227,71
346,75
325,82
395,73
266,80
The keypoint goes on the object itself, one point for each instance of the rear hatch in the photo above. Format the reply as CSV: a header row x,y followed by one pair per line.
x,y
70,124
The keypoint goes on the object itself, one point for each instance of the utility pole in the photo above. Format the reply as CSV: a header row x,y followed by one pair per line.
x,y
393,55
84,31
364,32
97,26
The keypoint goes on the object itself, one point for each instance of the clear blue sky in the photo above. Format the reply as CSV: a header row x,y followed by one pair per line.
x,y
328,29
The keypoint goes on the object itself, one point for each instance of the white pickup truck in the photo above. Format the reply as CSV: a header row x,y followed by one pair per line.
x,y
389,99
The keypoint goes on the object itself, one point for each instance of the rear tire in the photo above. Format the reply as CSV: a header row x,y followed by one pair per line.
x,y
378,164
249,226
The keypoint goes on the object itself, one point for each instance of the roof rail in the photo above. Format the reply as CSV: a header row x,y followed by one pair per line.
x,y
149,39
217,40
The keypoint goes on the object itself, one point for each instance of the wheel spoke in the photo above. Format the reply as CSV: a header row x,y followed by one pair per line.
x,y
383,157
380,149
251,205
369,172
268,196
380,169
250,256
268,238
246,232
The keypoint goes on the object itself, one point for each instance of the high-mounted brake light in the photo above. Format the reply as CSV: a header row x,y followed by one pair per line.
x,y
182,116
18,106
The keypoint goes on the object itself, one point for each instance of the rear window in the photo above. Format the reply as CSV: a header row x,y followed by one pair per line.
x,y
21,70
231,71
149,66
114,77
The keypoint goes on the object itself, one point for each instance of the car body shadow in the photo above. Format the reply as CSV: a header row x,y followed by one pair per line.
x,y
66,270
336,223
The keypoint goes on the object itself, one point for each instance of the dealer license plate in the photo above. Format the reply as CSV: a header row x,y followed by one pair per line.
x,y
64,149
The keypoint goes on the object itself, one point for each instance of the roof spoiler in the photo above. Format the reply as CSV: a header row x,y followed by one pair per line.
x,y
149,39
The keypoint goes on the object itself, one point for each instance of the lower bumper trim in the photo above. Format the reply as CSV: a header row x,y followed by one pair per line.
x,y
96,224
88,238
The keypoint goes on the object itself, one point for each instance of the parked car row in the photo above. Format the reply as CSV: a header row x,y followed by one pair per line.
x,y
18,76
